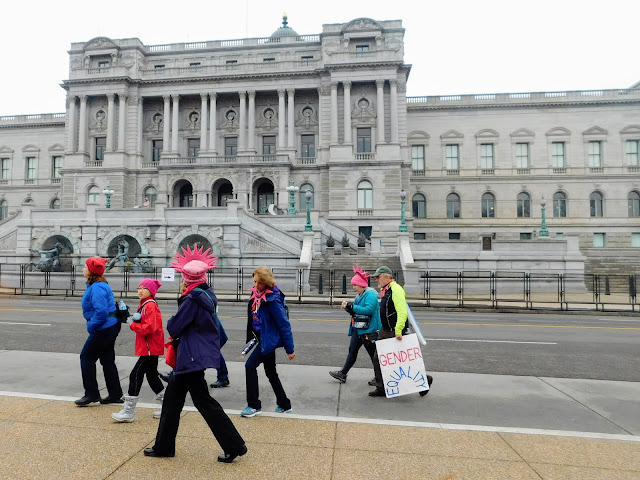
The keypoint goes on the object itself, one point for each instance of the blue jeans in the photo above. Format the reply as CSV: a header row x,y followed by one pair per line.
x,y
101,346
251,371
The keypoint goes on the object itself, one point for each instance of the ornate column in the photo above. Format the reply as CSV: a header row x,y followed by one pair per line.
x,y
380,110
82,127
291,140
393,104
281,118
242,134
166,123
320,119
110,121
203,121
122,121
252,120
174,123
71,134
212,122
347,111
140,126
334,112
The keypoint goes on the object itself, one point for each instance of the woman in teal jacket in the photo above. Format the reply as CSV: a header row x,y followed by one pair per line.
x,y
365,303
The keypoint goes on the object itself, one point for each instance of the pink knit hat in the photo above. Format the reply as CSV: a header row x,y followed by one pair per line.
x,y
150,284
193,264
360,278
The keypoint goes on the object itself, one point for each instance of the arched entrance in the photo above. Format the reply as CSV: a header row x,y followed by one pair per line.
x,y
264,195
183,194
221,191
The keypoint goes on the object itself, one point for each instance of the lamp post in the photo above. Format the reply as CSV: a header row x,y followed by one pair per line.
x,y
543,228
403,223
108,191
308,227
292,189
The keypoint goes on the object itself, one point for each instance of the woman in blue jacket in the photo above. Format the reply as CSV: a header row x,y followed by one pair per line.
x,y
268,323
196,326
98,309
365,304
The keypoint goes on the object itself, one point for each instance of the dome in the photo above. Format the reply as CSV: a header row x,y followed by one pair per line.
x,y
285,30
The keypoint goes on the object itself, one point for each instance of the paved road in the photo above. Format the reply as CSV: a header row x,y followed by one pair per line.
x,y
534,344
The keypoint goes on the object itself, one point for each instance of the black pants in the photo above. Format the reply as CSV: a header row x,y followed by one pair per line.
x,y
251,372
382,334
220,424
101,346
148,366
358,341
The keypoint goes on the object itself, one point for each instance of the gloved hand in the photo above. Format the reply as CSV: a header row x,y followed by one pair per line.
x,y
129,321
136,317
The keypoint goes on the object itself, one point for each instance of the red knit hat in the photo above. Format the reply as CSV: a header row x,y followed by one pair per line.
x,y
150,284
96,265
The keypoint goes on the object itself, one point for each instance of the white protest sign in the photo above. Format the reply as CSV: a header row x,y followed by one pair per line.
x,y
402,366
168,274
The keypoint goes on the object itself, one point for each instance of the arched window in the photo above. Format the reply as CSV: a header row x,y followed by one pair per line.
x,y
634,203
93,195
453,205
419,204
302,205
150,196
4,210
488,205
524,205
225,193
559,205
55,204
365,195
596,204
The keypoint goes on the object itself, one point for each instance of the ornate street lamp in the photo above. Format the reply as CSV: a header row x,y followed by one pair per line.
x,y
308,195
292,189
543,228
108,191
403,223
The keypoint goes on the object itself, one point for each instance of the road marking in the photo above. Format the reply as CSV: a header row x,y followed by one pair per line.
x,y
524,325
486,341
24,323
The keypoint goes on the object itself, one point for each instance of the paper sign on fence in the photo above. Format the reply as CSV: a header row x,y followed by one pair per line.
x,y
168,274
402,366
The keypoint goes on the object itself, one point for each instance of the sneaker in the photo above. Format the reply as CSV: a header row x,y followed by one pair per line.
x,y
220,384
338,375
429,382
377,393
282,410
250,412
372,382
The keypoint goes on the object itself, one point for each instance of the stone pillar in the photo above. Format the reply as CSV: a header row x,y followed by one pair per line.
x,y
71,134
320,129
110,121
82,126
175,125
393,104
203,121
242,133
291,119
140,126
166,123
380,110
212,122
281,118
347,111
122,121
252,121
334,112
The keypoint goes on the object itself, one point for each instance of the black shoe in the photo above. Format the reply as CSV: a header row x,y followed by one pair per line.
x,y
88,399
220,384
429,381
338,375
230,457
377,393
372,382
150,452
109,399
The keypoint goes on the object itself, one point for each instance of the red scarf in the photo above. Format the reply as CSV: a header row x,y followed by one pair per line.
x,y
190,287
383,290
258,297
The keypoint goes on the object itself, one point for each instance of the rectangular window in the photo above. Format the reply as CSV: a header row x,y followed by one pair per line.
x,y
559,236
454,236
156,150
56,167
4,168
195,64
364,140
486,156
525,236
417,158
269,60
231,146
631,153
193,147
308,145
635,240
558,155
522,155
306,59
101,145
599,240
419,236
103,65
31,168
595,154
269,145
362,50
452,154
232,62
158,67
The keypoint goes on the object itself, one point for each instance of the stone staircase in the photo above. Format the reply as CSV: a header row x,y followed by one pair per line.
x,y
616,269
342,265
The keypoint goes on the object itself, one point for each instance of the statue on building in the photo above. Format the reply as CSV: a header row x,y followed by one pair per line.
x,y
49,259
121,257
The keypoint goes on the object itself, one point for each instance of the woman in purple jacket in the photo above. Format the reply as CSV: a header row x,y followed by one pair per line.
x,y
195,327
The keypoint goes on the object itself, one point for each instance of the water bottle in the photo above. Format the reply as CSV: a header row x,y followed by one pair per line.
x,y
122,305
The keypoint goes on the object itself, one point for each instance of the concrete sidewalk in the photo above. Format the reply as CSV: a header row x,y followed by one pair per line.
x,y
468,427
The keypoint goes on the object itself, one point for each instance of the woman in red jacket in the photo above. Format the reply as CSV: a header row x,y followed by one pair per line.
x,y
147,323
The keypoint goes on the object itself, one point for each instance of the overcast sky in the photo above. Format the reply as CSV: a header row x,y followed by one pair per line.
x,y
454,46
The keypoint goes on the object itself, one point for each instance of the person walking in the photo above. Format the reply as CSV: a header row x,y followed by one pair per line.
x,y
147,325
365,322
194,328
268,324
98,309
393,315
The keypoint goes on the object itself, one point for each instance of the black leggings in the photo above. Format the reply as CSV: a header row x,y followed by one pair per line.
x,y
145,365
